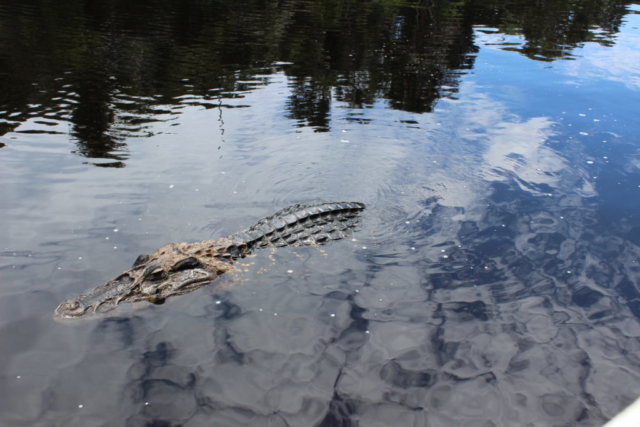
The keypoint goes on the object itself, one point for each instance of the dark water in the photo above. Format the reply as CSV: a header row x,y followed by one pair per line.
x,y
494,280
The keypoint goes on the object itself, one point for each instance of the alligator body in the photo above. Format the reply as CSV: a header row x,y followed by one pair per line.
x,y
179,268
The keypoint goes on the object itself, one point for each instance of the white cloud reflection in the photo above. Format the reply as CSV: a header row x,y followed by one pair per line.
x,y
619,63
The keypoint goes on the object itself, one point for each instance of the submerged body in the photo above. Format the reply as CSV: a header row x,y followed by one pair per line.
x,y
178,268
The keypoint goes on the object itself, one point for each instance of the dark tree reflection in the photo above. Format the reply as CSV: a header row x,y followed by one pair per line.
x,y
108,66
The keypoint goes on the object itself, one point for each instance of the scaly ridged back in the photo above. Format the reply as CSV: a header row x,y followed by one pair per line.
x,y
300,225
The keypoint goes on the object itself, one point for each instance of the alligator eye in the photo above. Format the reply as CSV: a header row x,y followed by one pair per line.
x,y
186,264
153,272
141,259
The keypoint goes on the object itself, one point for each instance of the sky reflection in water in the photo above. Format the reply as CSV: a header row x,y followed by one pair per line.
x,y
494,280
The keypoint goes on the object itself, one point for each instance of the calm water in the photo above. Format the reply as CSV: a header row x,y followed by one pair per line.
x,y
494,280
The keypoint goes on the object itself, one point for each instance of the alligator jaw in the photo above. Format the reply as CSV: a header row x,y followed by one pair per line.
x,y
126,288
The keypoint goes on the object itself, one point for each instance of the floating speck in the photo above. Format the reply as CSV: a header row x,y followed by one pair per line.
x,y
259,309
366,332
106,238
18,376
80,406
413,249
275,314
332,315
222,172
59,268
582,115
115,230
357,290
344,140
115,247
584,133
443,250
146,403
568,271
171,186
289,271
344,130
445,256
354,240
79,257
380,299
407,222
589,162
218,302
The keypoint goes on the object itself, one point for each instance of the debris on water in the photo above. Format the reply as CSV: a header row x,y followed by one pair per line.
x,y
289,271
364,247
171,186
218,302
115,230
333,315
589,162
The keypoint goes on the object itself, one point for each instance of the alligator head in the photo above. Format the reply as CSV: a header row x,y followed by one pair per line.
x,y
174,269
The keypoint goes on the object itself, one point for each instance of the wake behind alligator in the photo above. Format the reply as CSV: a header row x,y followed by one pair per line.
x,y
179,268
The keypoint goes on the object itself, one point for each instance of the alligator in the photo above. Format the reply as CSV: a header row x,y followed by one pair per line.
x,y
179,268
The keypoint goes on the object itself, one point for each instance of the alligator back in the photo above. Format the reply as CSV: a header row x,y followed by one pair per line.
x,y
301,225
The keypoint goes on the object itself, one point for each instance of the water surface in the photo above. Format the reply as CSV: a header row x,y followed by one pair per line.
x,y
494,280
